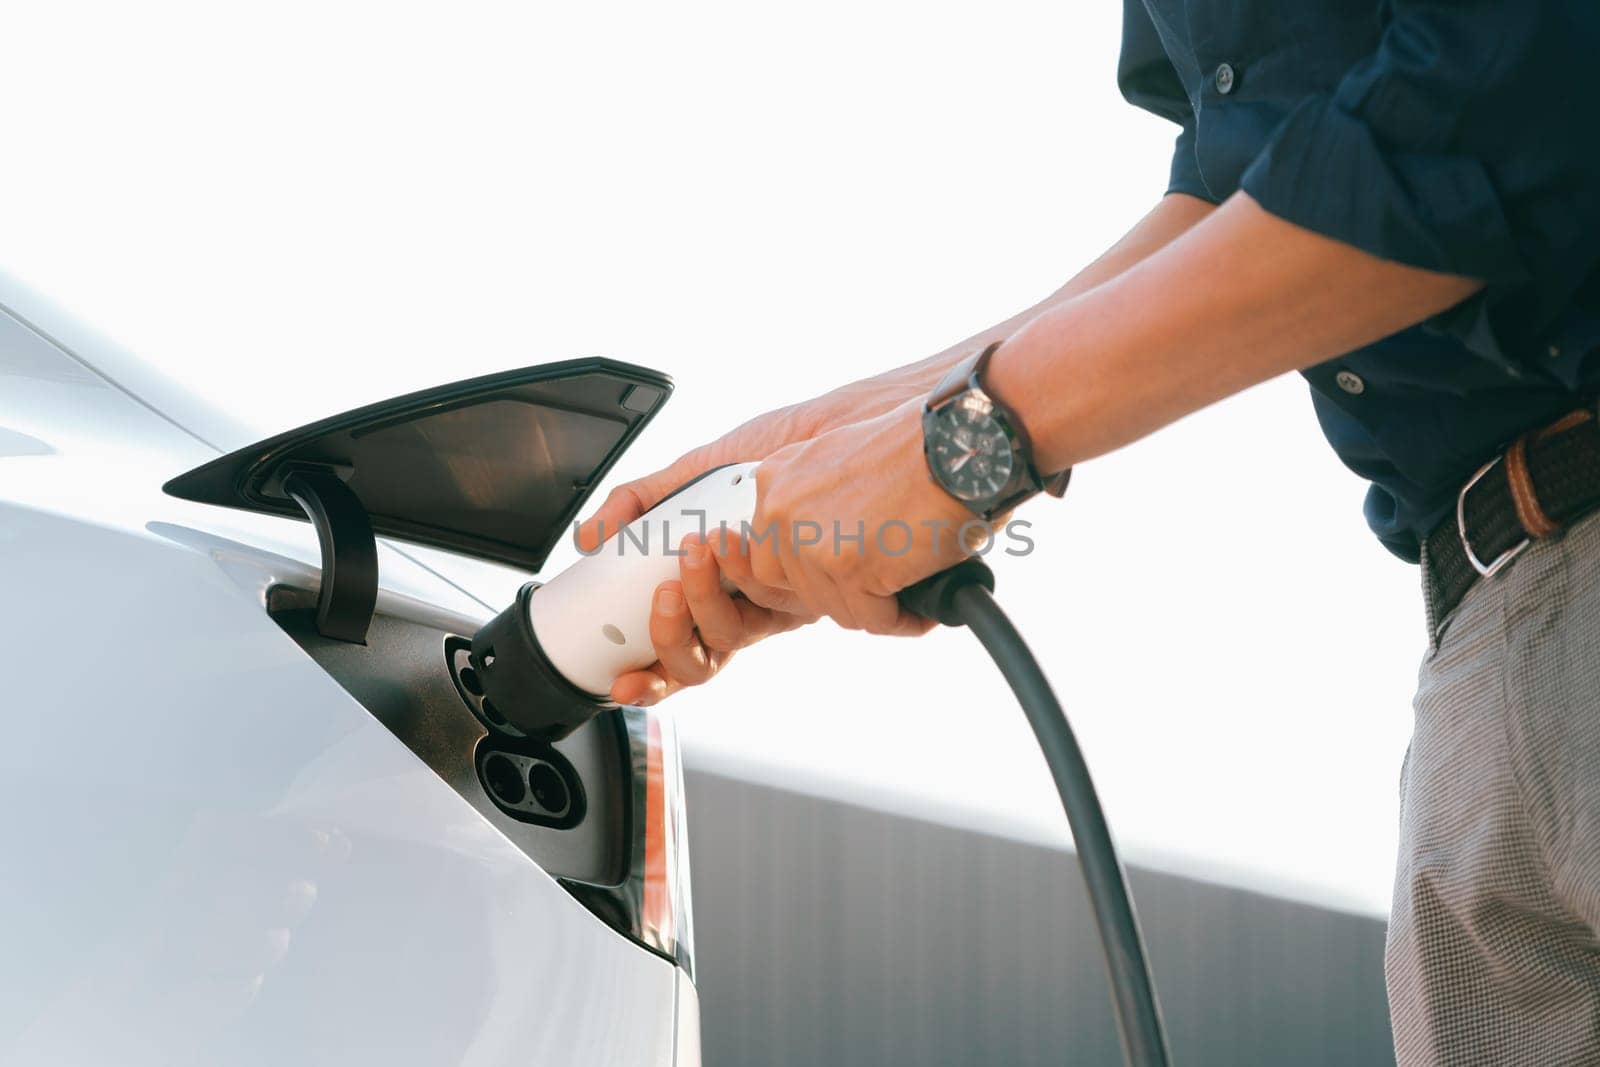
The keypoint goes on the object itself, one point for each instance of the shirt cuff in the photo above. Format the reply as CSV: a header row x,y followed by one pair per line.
x,y
1324,170
1185,177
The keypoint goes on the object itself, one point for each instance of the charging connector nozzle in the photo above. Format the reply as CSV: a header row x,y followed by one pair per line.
x,y
518,677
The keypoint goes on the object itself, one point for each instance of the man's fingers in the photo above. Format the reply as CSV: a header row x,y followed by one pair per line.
x,y
624,504
642,688
718,619
879,615
735,560
628,501
727,622
672,632
762,622
896,621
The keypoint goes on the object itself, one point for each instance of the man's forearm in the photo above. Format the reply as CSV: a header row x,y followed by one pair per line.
x,y
1240,297
863,400
1175,214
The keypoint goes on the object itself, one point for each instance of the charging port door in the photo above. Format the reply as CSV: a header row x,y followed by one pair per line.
x,y
494,467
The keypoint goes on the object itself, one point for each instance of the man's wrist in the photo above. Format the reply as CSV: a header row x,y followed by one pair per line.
x,y
874,396
1015,379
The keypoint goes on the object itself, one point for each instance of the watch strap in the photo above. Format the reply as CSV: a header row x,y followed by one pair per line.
x,y
963,375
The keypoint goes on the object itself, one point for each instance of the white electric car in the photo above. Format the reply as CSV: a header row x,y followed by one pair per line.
x,y
255,809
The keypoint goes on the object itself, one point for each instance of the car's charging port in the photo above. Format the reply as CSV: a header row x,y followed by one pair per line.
x,y
534,786
525,777
469,683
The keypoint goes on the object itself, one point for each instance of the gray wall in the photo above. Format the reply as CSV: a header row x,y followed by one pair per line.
x,y
830,934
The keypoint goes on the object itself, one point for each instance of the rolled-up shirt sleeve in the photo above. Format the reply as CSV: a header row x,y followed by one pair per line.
x,y
1148,80
1468,143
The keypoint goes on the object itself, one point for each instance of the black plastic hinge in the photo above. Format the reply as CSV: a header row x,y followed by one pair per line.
x,y
349,590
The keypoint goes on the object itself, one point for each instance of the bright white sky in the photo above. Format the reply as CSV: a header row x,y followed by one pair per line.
x,y
303,207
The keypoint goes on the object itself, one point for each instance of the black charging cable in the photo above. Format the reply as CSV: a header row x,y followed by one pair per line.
x,y
964,596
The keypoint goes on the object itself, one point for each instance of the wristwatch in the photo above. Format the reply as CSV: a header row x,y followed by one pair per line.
x,y
977,450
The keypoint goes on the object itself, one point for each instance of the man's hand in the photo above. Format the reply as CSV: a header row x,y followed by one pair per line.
x,y
849,519
696,625
755,440
869,482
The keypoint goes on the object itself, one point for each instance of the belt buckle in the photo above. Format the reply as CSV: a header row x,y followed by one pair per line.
x,y
1485,570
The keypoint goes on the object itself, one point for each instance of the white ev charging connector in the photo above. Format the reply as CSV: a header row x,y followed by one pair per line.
x,y
548,661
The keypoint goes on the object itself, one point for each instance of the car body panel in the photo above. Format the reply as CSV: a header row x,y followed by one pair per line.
x,y
213,852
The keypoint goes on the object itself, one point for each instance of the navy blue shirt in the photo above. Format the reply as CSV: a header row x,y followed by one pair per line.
x,y
1461,137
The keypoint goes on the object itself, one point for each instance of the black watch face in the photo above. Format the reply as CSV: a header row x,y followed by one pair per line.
x,y
970,449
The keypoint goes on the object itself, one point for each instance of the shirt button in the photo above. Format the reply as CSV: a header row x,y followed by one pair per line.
x,y
1350,382
1225,79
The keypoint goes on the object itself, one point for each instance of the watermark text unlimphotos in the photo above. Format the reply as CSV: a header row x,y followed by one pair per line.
x,y
894,537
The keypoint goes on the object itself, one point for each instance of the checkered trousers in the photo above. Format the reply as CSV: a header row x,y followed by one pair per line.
x,y
1493,955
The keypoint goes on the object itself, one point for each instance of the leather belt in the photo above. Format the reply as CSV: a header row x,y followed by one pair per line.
x,y
1546,480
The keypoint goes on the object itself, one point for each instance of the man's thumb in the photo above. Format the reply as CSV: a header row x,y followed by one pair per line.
x,y
624,504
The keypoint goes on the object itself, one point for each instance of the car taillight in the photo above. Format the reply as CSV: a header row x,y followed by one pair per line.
x,y
666,913
651,905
